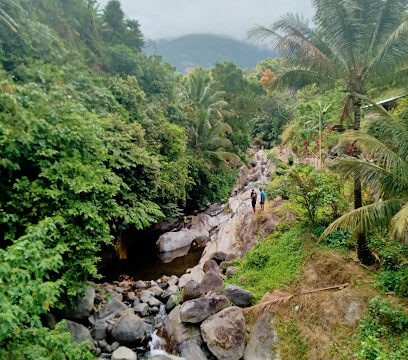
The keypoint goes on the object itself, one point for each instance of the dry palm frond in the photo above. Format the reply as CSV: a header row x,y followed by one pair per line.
x,y
277,301
120,248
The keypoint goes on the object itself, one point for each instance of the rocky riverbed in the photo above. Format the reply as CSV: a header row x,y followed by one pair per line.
x,y
194,316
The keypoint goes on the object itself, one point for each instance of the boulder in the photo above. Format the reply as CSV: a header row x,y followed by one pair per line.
x,y
79,333
178,332
171,303
196,310
107,312
214,210
196,274
192,290
123,353
231,271
210,265
145,295
128,328
354,311
212,282
167,357
219,257
263,340
83,305
156,290
224,334
191,350
131,296
142,309
175,240
99,331
201,226
238,296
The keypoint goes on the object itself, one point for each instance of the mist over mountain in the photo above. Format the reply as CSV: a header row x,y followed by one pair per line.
x,y
205,50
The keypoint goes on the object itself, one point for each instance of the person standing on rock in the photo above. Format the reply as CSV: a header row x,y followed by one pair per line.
x,y
253,200
263,199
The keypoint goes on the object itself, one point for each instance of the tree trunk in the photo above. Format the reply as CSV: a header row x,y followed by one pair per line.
x,y
363,252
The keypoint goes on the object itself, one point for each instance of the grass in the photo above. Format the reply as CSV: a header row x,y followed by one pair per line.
x,y
273,263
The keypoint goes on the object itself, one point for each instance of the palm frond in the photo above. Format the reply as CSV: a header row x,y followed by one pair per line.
x,y
366,218
399,225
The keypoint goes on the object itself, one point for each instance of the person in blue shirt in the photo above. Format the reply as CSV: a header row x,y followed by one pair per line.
x,y
263,199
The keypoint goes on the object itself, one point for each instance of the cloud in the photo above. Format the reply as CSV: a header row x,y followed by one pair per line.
x,y
169,18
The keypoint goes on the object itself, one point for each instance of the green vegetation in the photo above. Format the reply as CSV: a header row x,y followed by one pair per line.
x,y
97,138
273,263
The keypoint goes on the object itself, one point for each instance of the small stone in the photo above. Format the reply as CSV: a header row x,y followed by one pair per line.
x,y
171,290
119,290
154,302
108,349
140,285
131,296
238,296
156,290
230,257
115,346
210,265
171,303
99,330
103,344
173,280
225,265
145,295
97,351
142,309
136,301
124,353
219,257
153,283
154,310
231,271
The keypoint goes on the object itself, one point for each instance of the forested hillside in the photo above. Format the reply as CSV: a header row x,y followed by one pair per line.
x,y
96,138
205,50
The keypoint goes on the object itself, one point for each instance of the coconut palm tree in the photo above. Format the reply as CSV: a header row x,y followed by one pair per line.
x,y
353,43
382,164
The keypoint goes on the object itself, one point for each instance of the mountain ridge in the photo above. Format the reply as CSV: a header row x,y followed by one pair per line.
x,y
188,51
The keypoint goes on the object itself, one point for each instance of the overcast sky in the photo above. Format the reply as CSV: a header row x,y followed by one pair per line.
x,y
169,18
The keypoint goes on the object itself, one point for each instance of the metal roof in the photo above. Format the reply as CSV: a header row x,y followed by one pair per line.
x,y
382,102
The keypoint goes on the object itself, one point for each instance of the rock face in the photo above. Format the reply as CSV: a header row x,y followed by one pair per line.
x,y
123,353
175,240
238,296
79,333
192,290
128,328
212,282
197,310
224,334
262,340
201,226
83,305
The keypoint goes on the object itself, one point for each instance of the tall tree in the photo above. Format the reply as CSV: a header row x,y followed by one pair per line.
x,y
354,43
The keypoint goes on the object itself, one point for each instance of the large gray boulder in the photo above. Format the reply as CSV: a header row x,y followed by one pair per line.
x,y
196,310
129,328
212,283
178,332
192,290
79,333
263,340
238,296
201,226
107,312
123,353
82,307
175,240
224,334
191,350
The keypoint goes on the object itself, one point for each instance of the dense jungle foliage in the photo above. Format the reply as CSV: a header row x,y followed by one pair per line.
x,y
96,138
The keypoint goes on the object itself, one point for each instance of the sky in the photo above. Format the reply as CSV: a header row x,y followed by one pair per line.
x,y
172,18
